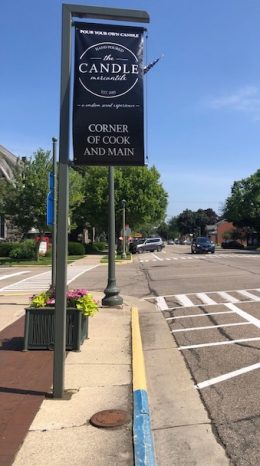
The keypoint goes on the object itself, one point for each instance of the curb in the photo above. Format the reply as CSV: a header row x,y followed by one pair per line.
x,y
142,434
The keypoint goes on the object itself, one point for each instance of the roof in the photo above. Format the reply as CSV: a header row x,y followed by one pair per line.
x,y
7,163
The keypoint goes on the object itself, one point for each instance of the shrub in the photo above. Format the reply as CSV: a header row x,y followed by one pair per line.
x,y
6,248
23,250
76,249
100,245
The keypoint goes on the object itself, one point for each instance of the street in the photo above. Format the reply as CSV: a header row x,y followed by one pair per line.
x,y
211,305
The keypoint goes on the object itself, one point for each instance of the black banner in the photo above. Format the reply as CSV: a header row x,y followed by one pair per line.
x,y
108,122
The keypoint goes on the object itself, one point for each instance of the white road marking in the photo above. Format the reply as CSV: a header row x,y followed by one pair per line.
x,y
42,281
161,303
157,257
184,300
218,343
253,320
211,327
199,315
228,375
228,297
249,295
13,274
205,298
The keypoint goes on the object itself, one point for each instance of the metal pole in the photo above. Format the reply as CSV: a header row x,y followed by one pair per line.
x,y
62,213
111,297
123,253
54,226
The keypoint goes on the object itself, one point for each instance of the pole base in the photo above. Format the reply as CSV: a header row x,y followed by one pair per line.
x,y
112,297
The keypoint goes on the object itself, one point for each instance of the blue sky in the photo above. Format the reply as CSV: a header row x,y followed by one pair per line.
x,y
203,95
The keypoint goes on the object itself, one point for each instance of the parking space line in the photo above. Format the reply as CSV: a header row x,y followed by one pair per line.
x,y
228,375
210,327
218,343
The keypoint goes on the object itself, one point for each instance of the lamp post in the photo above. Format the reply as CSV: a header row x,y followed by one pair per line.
x,y
112,297
123,252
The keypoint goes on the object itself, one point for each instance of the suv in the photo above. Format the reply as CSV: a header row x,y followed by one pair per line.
x,y
202,244
150,244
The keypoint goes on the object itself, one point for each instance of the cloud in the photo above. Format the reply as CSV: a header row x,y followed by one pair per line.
x,y
246,99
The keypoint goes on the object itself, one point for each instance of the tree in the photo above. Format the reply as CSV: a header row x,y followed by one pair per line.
x,y
194,222
242,207
25,199
140,187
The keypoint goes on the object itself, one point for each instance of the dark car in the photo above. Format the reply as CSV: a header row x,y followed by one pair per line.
x,y
202,244
231,244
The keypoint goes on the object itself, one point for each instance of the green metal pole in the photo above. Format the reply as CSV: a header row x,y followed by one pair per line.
x,y
62,213
123,253
54,226
111,297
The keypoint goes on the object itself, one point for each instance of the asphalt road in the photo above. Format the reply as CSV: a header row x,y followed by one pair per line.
x,y
212,306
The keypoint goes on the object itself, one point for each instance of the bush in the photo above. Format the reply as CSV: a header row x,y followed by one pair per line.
x,y
91,249
6,248
23,250
75,249
100,245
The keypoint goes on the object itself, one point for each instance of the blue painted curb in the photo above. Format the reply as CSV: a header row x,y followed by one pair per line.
x,y
143,441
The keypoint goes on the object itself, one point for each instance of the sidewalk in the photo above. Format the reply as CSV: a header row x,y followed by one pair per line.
x,y
58,432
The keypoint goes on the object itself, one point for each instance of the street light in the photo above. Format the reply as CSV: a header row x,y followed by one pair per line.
x,y
123,205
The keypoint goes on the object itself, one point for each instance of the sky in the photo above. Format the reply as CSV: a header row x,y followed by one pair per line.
x,y
203,96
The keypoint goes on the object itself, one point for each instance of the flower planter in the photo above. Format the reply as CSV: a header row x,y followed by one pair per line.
x,y
39,328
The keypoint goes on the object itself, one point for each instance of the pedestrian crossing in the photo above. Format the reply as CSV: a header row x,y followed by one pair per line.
x,y
209,298
196,257
42,281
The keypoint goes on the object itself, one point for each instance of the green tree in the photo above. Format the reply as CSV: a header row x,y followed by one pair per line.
x,y
140,187
25,199
194,222
243,205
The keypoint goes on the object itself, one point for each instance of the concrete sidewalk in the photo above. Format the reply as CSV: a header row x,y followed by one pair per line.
x,y
100,378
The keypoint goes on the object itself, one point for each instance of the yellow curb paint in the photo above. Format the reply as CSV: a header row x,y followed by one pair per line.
x,y
139,378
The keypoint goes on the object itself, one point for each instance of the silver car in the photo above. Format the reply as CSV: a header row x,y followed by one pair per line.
x,y
150,244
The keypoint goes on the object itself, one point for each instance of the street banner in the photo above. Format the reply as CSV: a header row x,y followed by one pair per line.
x,y
108,113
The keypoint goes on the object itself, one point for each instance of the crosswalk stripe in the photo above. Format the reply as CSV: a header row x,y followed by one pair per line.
x,y
205,298
4,277
228,297
249,295
184,300
42,281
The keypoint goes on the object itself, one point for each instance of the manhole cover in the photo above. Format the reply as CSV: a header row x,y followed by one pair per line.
x,y
110,418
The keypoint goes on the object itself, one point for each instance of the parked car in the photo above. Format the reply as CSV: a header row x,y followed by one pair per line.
x,y
150,244
202,244
231,244
170,241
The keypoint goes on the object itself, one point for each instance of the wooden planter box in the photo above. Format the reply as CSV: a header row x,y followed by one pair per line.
x,y
39,328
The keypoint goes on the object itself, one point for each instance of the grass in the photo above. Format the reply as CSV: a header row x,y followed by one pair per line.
x,y
42,261
118,258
